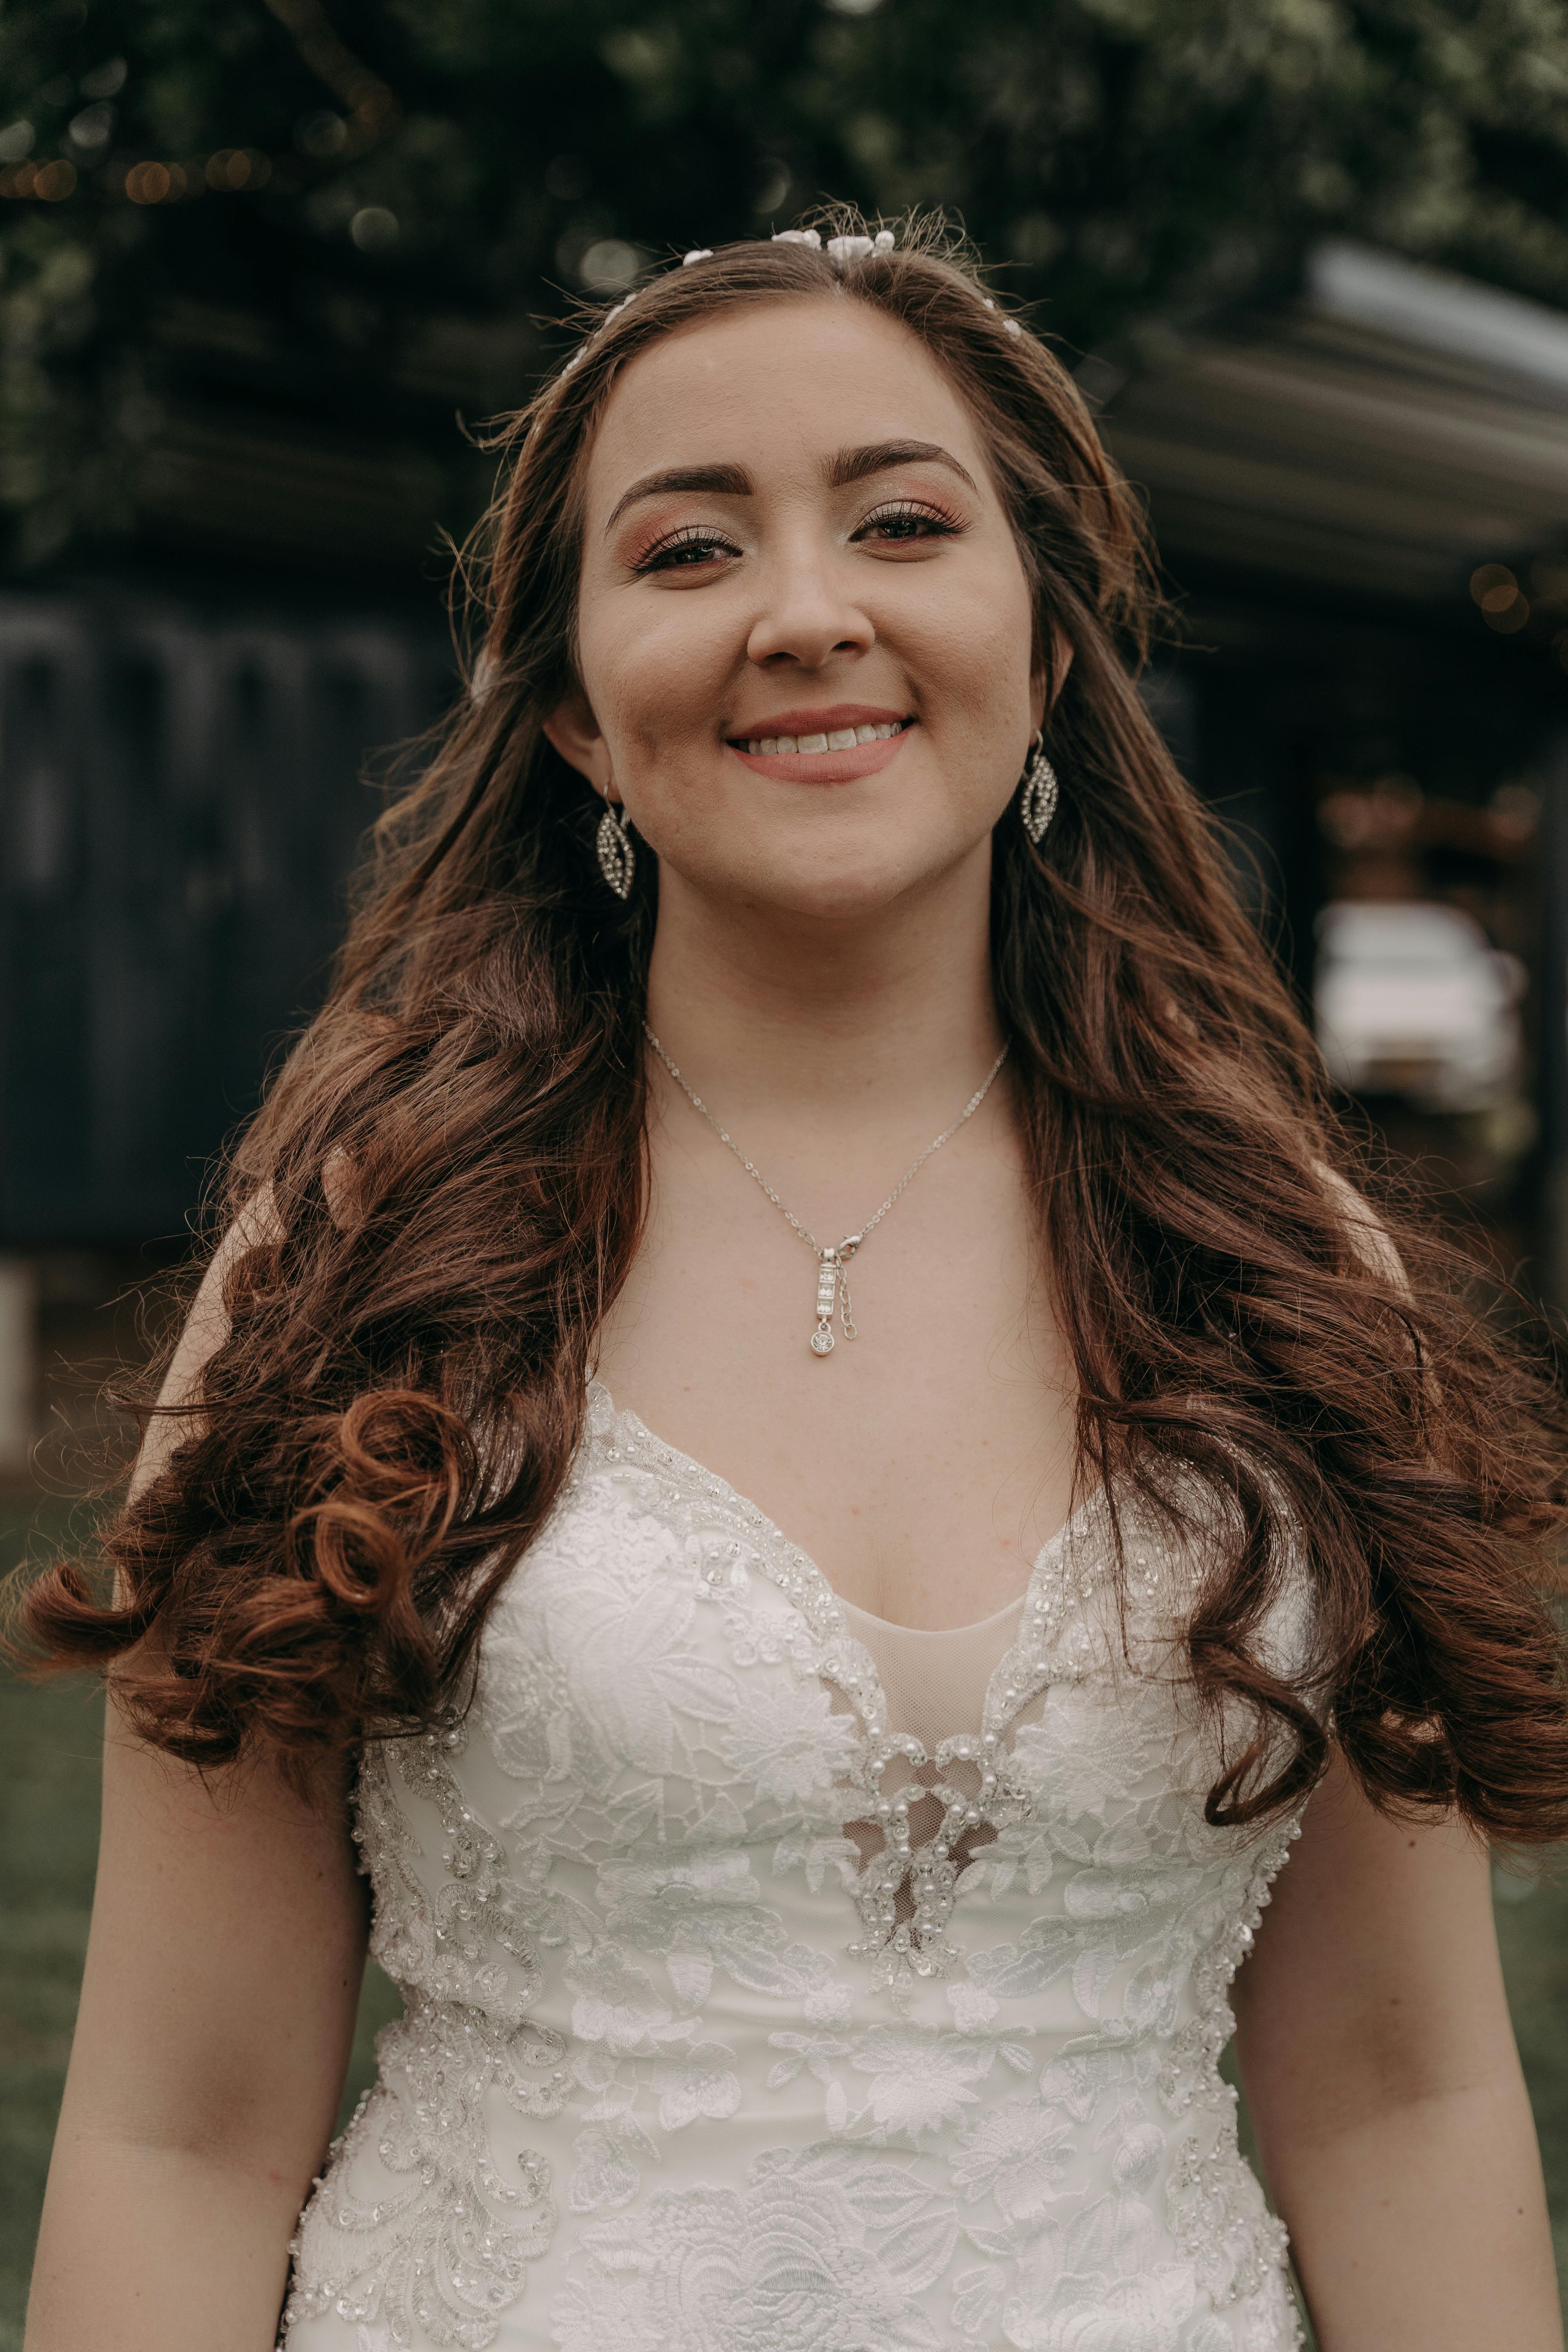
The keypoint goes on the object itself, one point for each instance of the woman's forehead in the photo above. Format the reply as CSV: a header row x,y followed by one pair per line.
x,y
766,385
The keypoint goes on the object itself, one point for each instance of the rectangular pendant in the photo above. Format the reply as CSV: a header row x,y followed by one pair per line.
x,y
826,1293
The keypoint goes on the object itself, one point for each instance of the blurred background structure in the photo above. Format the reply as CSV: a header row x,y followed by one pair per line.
x,y
265,264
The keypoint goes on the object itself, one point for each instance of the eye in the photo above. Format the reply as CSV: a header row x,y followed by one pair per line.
x,y
908,520
684,550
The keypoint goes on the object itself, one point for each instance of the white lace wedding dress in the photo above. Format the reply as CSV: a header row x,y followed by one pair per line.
x,y
711,2047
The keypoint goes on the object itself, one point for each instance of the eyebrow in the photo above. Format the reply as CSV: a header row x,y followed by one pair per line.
x,y
725,481
849,466
881,456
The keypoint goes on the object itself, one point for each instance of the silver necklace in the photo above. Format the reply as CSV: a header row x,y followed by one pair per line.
x,y
832,1263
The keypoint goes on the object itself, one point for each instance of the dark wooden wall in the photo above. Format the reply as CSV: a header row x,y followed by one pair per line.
x,y
180,804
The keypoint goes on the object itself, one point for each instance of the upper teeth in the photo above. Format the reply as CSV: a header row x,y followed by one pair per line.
x,y
843,738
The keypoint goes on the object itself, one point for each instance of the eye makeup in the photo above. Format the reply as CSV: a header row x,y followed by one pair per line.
x,y
686,548
905,522
909,520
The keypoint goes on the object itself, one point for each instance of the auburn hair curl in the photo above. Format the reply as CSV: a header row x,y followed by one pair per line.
x,y
446,1187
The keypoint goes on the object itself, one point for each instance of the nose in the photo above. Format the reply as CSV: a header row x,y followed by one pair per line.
x,y
808,612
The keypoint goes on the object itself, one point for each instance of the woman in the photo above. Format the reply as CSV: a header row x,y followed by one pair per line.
x,y
816,1842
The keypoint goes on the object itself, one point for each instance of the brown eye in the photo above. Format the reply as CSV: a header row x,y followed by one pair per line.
x,y
909,520
684,550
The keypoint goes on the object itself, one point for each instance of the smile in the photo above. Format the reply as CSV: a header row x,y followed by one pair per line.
x,y
835,743
841,738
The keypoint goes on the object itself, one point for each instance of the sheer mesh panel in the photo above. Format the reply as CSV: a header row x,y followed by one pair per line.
x,y
935,1685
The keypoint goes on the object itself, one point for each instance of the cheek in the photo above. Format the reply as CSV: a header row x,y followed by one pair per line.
x,y
653,676
976,652
977,598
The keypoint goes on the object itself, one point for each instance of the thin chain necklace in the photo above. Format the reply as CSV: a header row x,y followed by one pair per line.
x,y
832,1264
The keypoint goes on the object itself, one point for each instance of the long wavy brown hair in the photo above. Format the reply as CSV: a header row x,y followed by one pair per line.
x,y
447,1186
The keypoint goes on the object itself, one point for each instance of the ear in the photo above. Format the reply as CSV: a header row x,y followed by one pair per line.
x,y
573,730
1046,687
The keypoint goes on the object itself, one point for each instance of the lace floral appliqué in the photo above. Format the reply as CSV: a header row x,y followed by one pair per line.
x,y
708,2048
444,2248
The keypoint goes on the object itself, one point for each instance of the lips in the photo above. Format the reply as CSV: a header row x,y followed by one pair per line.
x,y
836,744
841,738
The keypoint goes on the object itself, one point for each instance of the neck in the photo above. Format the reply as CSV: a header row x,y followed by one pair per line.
x,y
891,1012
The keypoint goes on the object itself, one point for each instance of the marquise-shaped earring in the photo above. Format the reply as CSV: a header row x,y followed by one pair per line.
x,y
618,858
1037,801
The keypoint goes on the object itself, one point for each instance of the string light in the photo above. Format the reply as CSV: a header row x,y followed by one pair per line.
x,y
50,183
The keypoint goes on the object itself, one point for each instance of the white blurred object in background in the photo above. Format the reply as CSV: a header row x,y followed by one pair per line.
x,y
1411,1000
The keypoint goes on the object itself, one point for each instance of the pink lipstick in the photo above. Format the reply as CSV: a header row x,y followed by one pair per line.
x,y
835,743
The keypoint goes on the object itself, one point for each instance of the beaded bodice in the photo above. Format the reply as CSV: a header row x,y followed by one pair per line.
x,y
734,2023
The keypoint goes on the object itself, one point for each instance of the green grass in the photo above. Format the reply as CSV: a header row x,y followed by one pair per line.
x,y
1533,1933
48,1836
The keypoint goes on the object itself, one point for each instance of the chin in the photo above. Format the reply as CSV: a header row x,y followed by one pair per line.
x,y
840,888
847,867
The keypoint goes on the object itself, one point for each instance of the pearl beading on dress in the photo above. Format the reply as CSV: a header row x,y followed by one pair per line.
x,y
450,2275
434,2217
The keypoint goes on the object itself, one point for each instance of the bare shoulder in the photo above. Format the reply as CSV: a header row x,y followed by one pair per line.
x,y
1370,1244
206,1327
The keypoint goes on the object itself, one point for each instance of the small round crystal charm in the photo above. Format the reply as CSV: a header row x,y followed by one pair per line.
x,y
829,1276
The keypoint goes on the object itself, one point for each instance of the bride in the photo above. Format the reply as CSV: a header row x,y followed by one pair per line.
x,y
800,1446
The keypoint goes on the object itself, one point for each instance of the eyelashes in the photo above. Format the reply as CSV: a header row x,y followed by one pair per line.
x,y
692,545
902,522
909,519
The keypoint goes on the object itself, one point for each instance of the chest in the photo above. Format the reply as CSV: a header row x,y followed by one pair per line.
x,y
921,1462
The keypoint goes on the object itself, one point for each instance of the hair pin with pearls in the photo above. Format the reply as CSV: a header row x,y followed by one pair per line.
x,y
839,249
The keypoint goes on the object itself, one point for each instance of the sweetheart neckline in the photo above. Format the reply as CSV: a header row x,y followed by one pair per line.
x,y
1015,1690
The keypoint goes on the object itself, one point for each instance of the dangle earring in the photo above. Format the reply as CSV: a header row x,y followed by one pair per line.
x,y
1037,801
618,858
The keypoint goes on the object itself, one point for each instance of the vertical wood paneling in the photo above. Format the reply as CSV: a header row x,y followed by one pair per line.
x,y
180,806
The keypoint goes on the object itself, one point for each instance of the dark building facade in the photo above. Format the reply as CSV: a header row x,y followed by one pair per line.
x,y
182,798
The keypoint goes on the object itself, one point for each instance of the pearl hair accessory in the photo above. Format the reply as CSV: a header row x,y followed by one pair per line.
x,y
839,249
1011,324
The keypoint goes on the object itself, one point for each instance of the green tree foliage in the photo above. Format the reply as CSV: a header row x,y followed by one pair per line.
x,y
419,180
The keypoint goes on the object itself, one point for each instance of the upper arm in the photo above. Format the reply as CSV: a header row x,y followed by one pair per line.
x,y
225,1960
1374,1255
206,1327
229,1920
1370,1244
1374,1977
207,1324
217,2014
